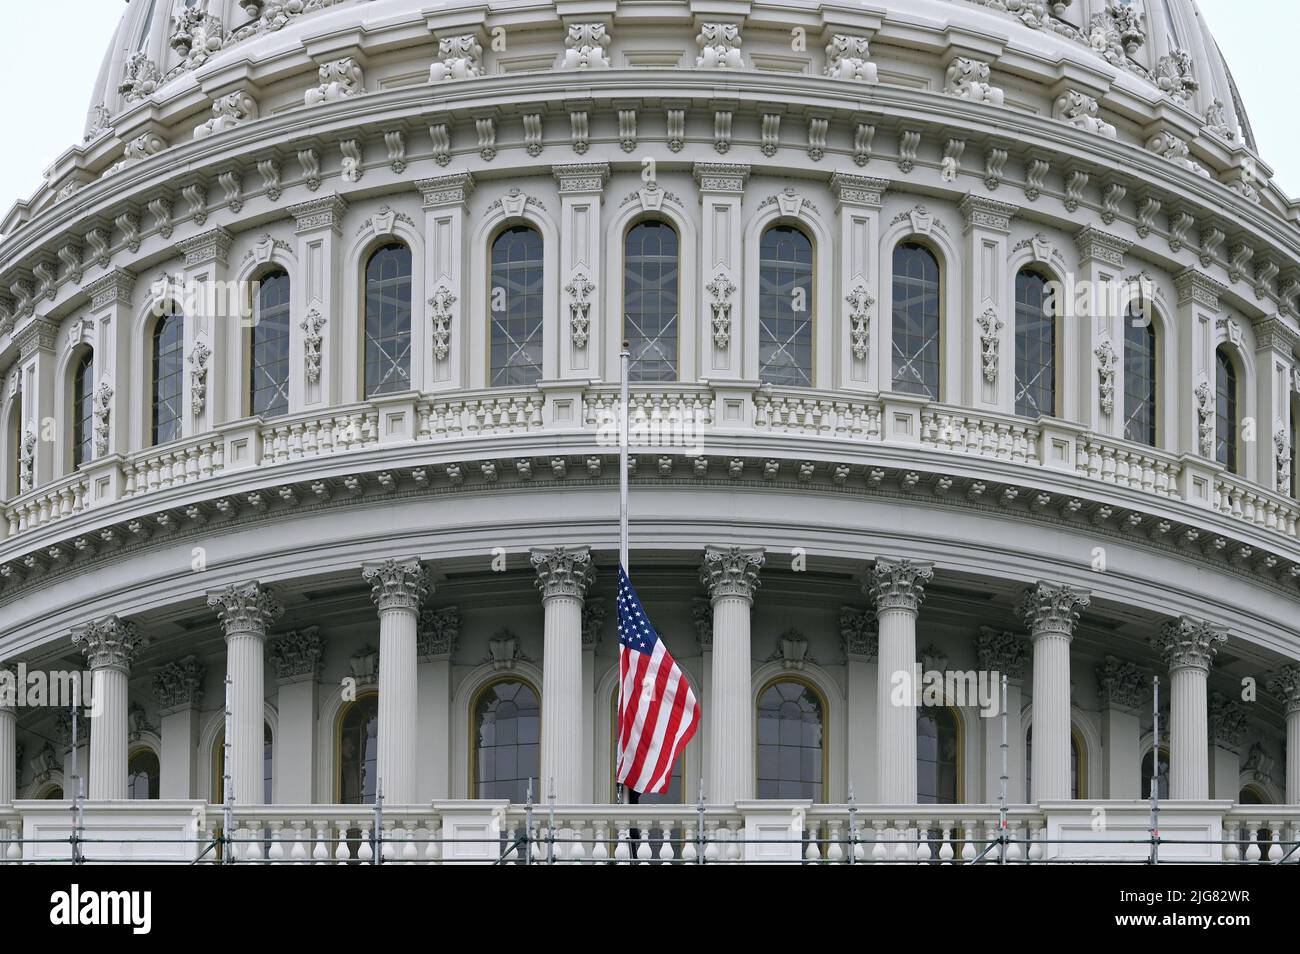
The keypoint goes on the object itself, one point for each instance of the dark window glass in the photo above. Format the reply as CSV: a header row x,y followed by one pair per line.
x,y
650,304
1035,347
1029,761
785,307
142,776
1148,762
916,359
83,410
359,752
168,377
1140,381
388,320
790,742
936,756
1227,412
516,299
219,775
268,370
507,720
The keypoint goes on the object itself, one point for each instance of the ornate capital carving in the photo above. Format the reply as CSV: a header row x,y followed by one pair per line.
x,y
114,288
563,571
318,214
898,584
1000,651
245,609
109,643
1102,246
438,632
208,247
1053,608
861,191
1286,685
580,177
1187,643
297,653
725,177
180,683
1228,722
859,634
1121,684
1195,286
702,617
396,584
979,212
449,190
593,621
731,571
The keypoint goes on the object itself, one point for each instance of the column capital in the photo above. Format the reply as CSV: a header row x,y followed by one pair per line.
x,y
1187,643
731,571
180,683
1121,684
444,191
1108,249
109,643
862,191
1286,684
212,246
438,632
296,655
316,215
998,650
245,609
898,584
726,177
979,212
563,571
113,288
39,334
396,584
1228,722
859,633
581,177
1053,608
1194,285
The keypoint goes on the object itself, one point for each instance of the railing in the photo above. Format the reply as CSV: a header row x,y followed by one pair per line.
x,y
693,410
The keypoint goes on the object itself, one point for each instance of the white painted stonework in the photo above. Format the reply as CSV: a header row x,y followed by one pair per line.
x,y
815,520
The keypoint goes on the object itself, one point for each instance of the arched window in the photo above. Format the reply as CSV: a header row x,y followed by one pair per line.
x,y
12,462
938,756
142,775
791,741
1227,410
1250,795
219,767
676,784
359,751
507,741
1076,765
168,354
1141,403
1292,434
388,320
268,347
1148,766
52,794
785,307
650,301
516,299
1035,346
83,409
916,321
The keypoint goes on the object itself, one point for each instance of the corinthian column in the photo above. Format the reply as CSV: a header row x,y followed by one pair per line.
x,y
1188,647
109,644
1050,611
398,587
8,735
563,575
731,576
246,611
1287,685
897,587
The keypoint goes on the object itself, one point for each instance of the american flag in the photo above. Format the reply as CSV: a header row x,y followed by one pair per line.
x,y
657,711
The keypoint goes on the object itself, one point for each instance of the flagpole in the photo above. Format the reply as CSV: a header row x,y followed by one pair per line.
x,y
622,459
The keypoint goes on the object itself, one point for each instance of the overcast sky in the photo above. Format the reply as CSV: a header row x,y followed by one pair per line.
x,y
44,110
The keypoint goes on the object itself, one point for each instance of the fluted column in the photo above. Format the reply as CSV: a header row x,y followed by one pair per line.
x,y
897,587
109,644
246,611
1287,685
563,575
731,576
398,587
8,735
1188,647
1050,611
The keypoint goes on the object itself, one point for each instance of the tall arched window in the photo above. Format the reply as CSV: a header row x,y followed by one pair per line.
x,y
1227,410
1076,765
168,354
1035,346
359,751
916,321
83,409
268,347
650,300
1140,397
12,461
219,766
388,320
142,775
791,741
785,307
516,300
1148,766
507,741
938,756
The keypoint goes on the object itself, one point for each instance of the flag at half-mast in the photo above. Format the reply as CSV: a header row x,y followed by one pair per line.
x,y
657,710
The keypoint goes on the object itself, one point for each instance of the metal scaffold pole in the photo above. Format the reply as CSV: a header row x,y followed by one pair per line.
x,y
1155,770
1002,794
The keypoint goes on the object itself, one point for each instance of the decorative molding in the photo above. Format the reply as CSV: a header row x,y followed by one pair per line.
x,y
396,584
997,650
563,571
1187,643
847,59
438,632
109,643
1107,362
1053,608
731,572
720,290
297,654
719,45
339,79
245,609
860,303
990,342
898,584
459,57
859,633
1121,685
969,79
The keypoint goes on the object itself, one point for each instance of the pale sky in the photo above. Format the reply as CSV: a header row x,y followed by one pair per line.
x,y
45,107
